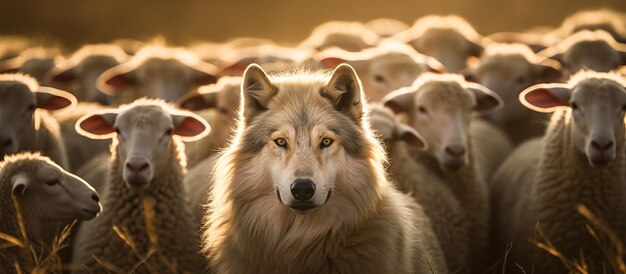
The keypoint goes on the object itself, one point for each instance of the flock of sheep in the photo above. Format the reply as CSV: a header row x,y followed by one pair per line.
x,y
511,144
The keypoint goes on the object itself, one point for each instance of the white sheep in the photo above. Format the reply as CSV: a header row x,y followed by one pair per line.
x,y
218,104
79,72
26,123
382,69
40,191
346,35
579,161
446,179
594,50
600,19
386,27
147,164
157,72
449,39
35,62
507,69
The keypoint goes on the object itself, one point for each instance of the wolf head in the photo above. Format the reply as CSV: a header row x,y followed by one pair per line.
x,y
303,140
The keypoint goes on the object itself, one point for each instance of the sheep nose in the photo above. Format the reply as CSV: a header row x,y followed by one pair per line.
x,y
455,150
602,145
302,189
95,197
137,165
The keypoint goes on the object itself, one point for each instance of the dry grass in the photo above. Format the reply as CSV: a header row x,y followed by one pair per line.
x,y
35,258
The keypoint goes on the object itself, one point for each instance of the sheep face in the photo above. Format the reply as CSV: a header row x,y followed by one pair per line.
x,y
144,135
85,74
19,110
508,75
440,108
597,114
49,193
448,46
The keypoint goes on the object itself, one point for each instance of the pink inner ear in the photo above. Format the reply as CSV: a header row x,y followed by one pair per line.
x,y
332,62
189,127
235,69
412,140
196,102
205,79
96,124
543,98
64,77
118,81
55,103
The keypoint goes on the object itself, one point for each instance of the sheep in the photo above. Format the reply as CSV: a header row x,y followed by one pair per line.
x,y
147,164
39,191
449,39
26,123
218,104
346,35
366,226
35,62
157,72
507,69
386,27
579,161
382,69
446,179
12,45
271,57
79,73
537,38
600,19
594,50
78,147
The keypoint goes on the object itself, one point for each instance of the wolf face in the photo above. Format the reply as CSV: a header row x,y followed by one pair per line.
x,y
306,135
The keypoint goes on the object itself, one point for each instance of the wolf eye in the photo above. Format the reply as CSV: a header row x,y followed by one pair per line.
x,y
326,142
281,142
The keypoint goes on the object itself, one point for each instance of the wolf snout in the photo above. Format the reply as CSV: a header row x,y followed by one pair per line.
x,y
302,189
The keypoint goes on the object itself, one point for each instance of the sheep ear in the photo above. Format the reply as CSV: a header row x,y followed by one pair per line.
x,y
235,69
621,49
204,74
54,99
546,97
434,66
487,101
205,97
332,62
257,90
410,136
345,92
190,127
549,71
116,79
97,126
61,76
12,65
19,184
400,100
475,48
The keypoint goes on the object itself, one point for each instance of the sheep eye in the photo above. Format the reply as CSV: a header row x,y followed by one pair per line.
x,y
53,182
422,109
520,80
574,105
169,132
117,130
379,78
624,108
281,142
31,107
223,110
326,142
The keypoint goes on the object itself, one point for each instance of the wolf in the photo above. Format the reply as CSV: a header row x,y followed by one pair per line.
x,y
302,189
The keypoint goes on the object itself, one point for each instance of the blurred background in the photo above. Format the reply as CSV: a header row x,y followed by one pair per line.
x,y
75,22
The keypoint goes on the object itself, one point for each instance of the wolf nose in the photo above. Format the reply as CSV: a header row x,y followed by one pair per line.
x,y
302,189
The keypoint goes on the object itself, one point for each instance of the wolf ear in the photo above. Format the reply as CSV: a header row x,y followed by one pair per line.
x,y
345,93
546,97
257,91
